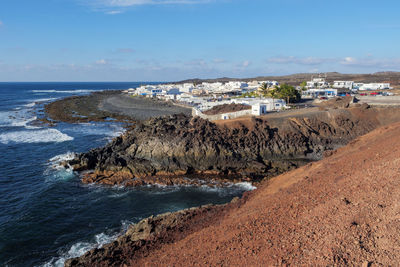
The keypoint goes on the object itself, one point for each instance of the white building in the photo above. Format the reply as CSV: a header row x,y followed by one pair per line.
x,y
315,93
374,86
261,105
319,83
269,84
343,84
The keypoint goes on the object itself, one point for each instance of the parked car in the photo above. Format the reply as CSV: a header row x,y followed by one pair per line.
x,y
363,94
387,94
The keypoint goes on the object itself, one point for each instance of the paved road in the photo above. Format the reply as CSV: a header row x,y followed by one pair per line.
x,y
380,100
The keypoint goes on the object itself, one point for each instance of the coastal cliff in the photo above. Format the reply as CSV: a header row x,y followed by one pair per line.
x,y
164,150
340,211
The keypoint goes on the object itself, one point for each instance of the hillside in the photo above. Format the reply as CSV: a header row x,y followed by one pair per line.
x,y
342,210
170,149
296,79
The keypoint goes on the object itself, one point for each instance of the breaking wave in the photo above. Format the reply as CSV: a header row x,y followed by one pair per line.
x,y
80,248
55,171
64,91
34,136
39,101
17,118
55,161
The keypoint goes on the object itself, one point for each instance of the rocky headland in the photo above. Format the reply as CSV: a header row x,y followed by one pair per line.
x,y
340,211
178,149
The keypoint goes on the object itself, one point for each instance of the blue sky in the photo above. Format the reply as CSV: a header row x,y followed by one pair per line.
x,y
167,40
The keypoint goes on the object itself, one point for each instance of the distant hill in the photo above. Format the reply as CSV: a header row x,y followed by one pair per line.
x,y
296,79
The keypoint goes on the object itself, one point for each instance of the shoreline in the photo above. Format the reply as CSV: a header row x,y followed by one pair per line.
x,y
108,105
278,222
341,122
169,150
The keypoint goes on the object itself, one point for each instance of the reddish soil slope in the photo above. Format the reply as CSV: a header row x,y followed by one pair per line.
x,y
343,210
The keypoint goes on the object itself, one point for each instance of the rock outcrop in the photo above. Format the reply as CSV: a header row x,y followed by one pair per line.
x,y
341,211
149,234
169,150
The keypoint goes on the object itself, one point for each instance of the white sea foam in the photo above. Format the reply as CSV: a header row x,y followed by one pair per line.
x,y
41,100
64,91
59,175
22,122
55,171
33,102
80,248
56,160
246,186
29,105
34,136
16,118
225,189
108,130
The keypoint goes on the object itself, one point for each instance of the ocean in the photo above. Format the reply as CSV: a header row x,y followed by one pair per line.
x,y
46,214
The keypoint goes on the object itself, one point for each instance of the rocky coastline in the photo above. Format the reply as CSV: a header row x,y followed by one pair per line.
x,y
109,105
346,204
181,150
150,233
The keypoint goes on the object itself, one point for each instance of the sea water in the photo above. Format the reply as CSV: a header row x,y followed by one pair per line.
x,y
46,214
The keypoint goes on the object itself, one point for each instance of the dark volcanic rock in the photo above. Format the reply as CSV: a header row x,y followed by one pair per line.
x,y
178,145
149,234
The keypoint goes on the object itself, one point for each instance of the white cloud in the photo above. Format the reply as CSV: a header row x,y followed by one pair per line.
x,y
219,61
349,60
115,7
371,62
101,62
366,62
127,3
299,60
246,63
125,51
114,12
196,63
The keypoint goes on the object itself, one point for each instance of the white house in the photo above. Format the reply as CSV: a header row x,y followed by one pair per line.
x,y
261,106
258,109
343,84
319,83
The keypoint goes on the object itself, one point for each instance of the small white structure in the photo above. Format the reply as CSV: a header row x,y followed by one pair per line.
x,y
261,106
343,84
319,83
259,109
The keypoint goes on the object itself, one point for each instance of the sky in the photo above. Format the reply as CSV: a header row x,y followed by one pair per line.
x,y
170,40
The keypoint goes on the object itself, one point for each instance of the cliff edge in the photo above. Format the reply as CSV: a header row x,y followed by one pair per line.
x,y
343,210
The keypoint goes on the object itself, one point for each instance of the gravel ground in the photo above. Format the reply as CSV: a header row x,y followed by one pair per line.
x,y
140,108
